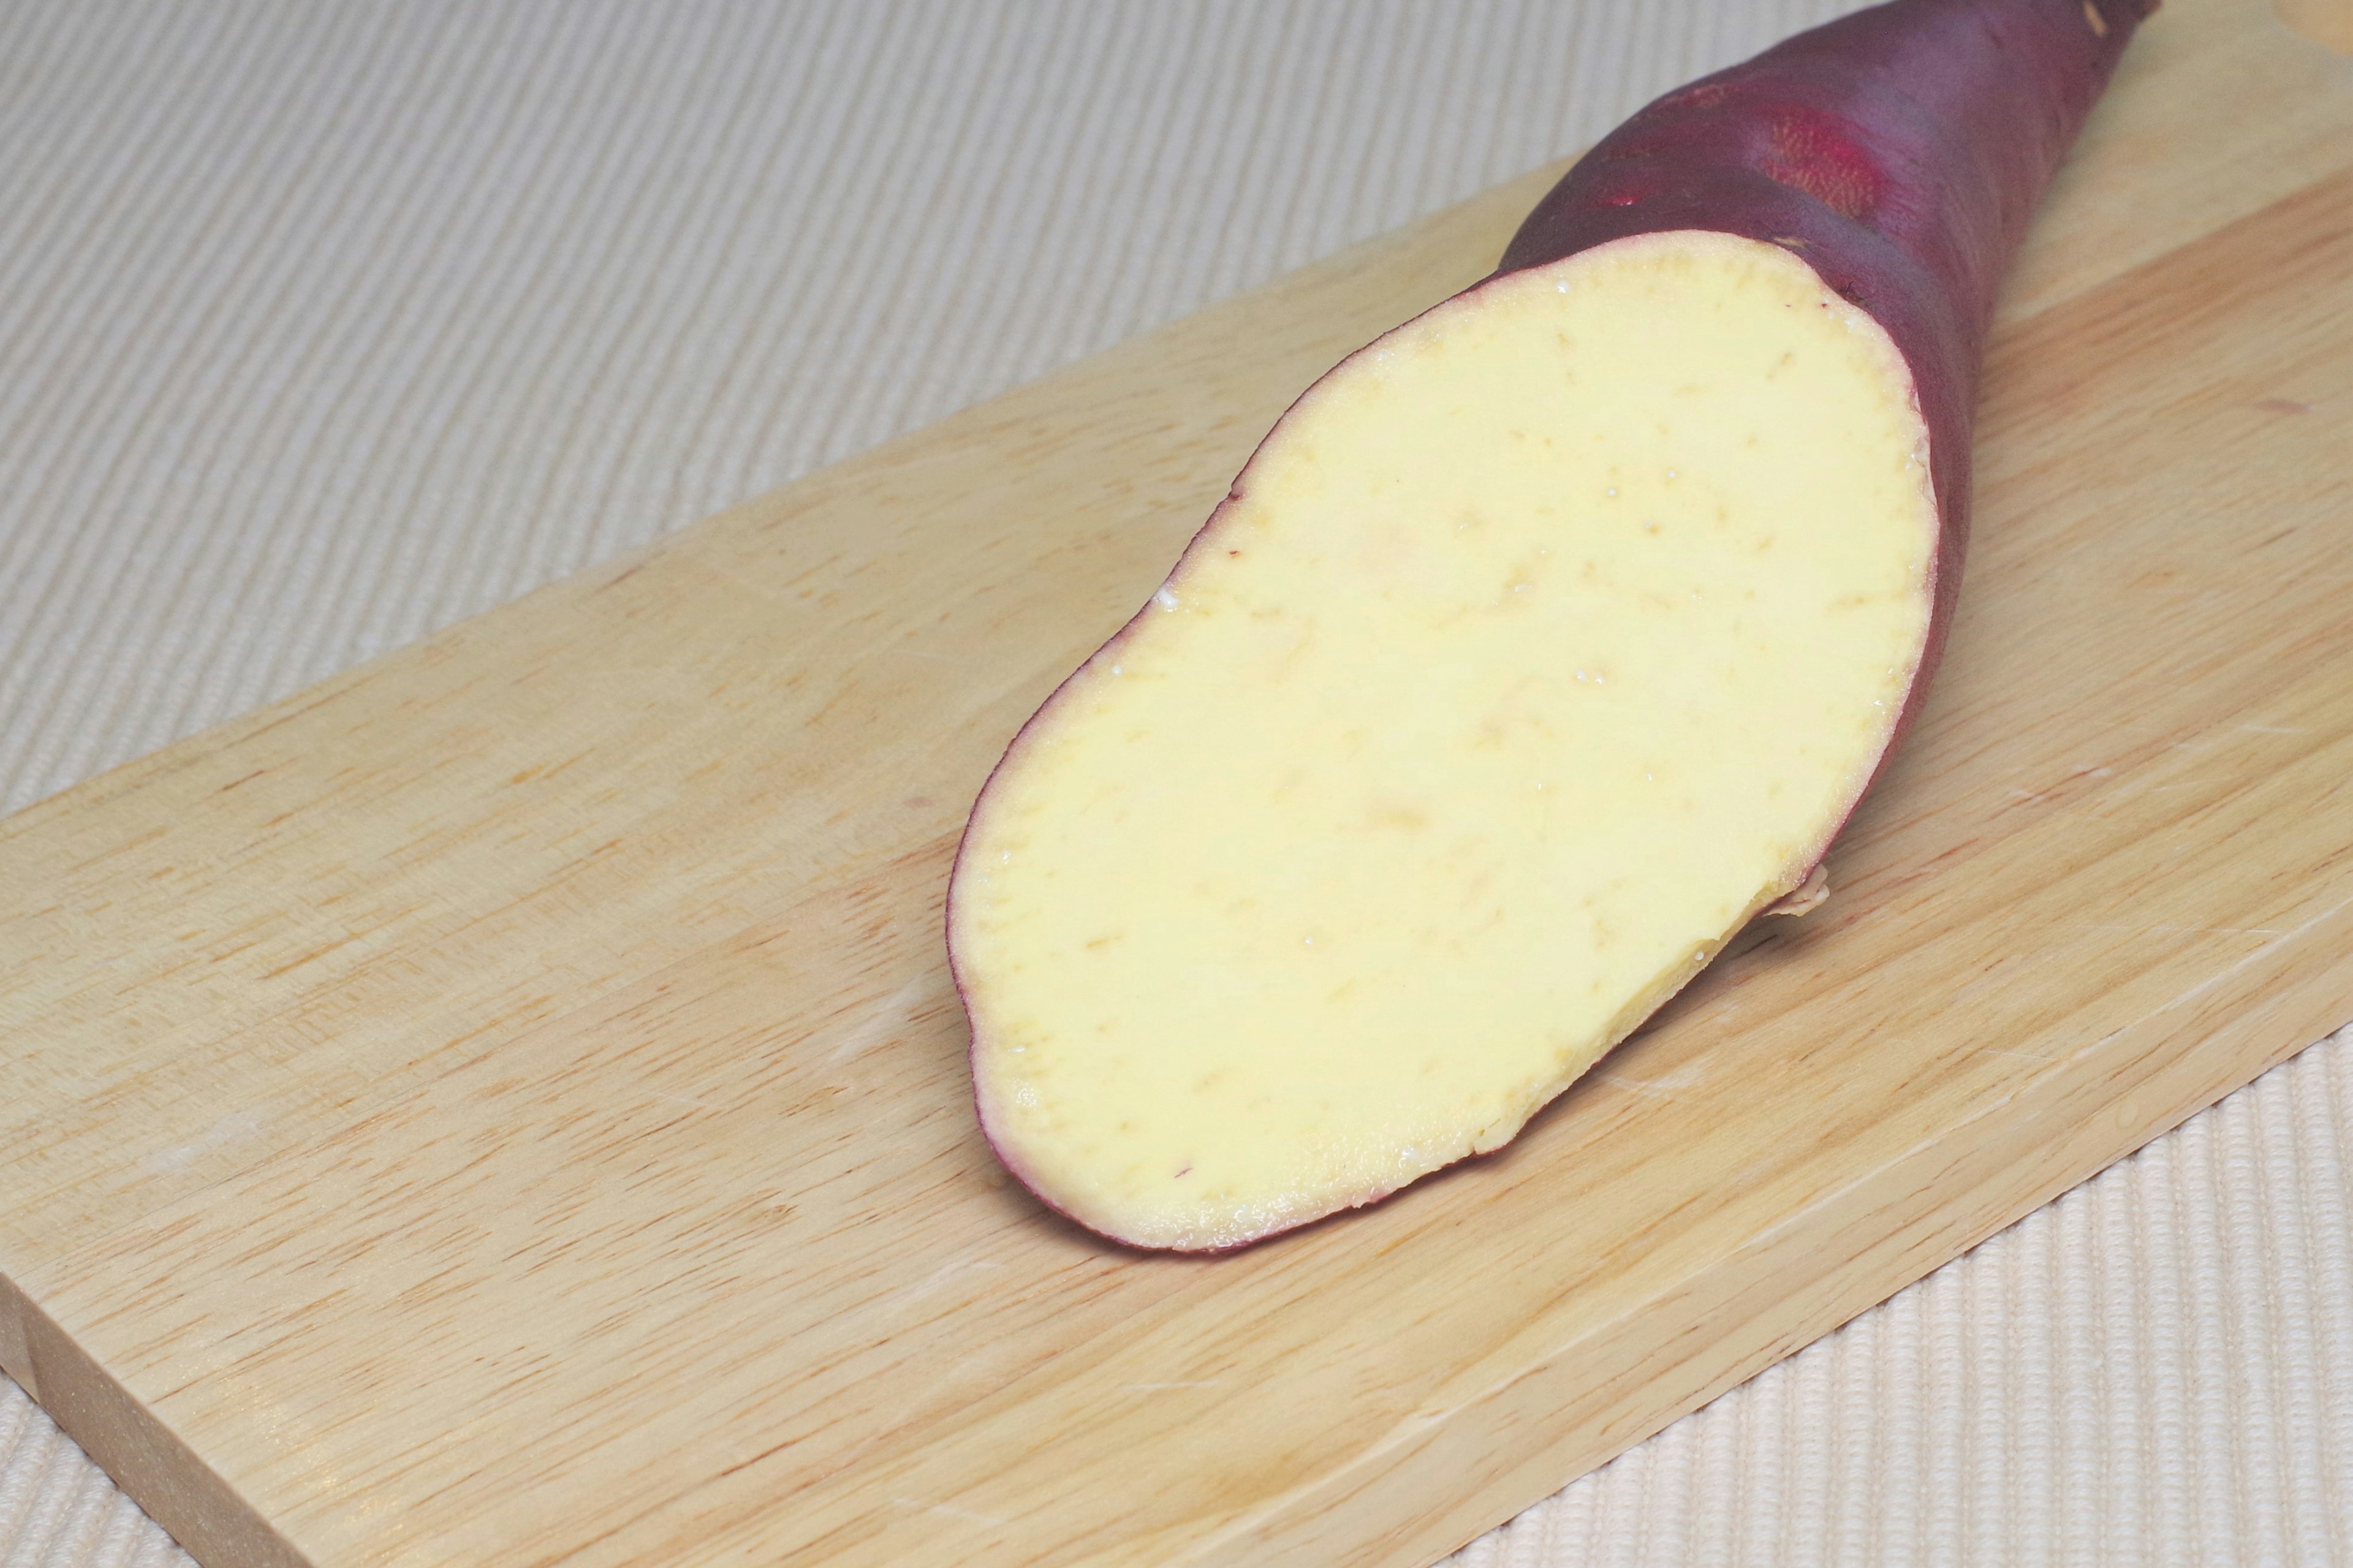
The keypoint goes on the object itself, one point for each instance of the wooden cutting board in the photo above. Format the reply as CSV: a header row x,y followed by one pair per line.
x,y
505,1104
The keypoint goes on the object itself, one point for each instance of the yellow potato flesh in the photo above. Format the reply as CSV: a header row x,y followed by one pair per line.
x,y
1543,642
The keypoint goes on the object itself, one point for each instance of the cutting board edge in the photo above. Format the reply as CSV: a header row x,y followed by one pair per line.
x,y
153,1465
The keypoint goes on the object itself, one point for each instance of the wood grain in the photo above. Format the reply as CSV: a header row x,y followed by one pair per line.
x,y
505,1104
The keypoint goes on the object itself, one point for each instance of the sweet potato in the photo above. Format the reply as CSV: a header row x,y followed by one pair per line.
x,y
1542,644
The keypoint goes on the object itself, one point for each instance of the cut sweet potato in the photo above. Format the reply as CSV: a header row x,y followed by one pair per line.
x,y
1543,642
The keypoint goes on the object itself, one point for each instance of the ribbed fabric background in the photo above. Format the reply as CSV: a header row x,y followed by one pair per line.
x,y
321,326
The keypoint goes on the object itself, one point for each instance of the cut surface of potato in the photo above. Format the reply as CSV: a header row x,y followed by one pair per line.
x,y
1543,642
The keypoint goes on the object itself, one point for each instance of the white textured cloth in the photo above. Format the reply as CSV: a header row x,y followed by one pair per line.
x,y
321,326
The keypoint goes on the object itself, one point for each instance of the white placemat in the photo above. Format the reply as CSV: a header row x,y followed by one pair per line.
x,y
321,326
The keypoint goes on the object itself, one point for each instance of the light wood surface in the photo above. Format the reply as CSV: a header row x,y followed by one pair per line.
x,y
505,1105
